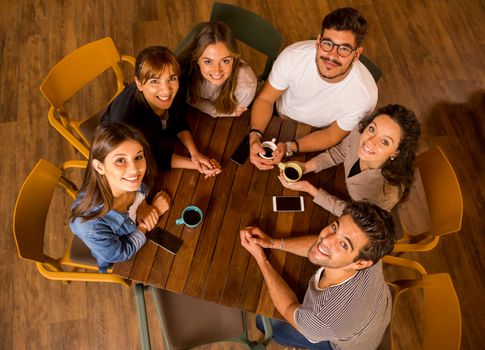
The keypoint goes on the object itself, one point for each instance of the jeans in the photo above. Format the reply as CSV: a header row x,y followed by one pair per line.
x,y
285,334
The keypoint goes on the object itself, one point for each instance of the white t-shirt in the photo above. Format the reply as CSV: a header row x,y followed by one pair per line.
x,y
311,100
140,197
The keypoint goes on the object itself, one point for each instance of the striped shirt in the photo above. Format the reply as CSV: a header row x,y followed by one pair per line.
x,y
351,315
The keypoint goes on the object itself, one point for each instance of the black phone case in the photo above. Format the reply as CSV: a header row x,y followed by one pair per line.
x,y
165,240
241,154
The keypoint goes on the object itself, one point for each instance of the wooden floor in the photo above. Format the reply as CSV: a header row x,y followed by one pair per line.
x,y
432,56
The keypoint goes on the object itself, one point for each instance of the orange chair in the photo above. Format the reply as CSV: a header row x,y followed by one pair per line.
x,y
29,220
71,74
444,199
441,308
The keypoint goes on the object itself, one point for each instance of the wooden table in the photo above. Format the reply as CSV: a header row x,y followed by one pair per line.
x,y
212,264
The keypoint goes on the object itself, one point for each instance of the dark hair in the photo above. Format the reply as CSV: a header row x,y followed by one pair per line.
x,y
152,61
346,18
400,170
211,33
97,191
377,224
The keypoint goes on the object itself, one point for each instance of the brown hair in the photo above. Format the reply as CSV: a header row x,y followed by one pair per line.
x,y
211,33
400,170
153,61
96,190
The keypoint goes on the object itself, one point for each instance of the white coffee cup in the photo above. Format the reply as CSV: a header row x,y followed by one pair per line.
x,y
269,147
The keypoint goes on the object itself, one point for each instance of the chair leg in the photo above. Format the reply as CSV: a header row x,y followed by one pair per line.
x,y
268,331
142,316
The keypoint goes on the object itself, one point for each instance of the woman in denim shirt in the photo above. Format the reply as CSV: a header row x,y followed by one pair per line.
x,y
110,214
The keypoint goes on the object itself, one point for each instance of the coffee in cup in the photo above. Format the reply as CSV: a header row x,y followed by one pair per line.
x,y
191,217
291,171
269,147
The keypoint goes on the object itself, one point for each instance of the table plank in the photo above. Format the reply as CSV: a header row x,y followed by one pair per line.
x,y
229,230
213,221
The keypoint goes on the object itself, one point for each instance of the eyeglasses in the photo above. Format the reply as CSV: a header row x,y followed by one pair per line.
x,y
342,50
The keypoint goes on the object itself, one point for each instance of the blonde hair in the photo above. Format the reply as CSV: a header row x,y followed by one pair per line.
x,y
211,33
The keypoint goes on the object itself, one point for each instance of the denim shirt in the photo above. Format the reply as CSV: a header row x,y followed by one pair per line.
x,y
111,238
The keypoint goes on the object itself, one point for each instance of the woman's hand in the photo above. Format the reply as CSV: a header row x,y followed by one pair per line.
x,y
147,215
303,186
161,202
216,169
142,228
201,162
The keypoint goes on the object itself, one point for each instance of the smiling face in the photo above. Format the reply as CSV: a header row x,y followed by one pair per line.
x,y
215,63
160,90
124,167
338,245
379,141
331,66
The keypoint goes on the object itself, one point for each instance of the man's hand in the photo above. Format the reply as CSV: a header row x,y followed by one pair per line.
x,y
248,241
279,152
254,150
161,202
259,237
147,215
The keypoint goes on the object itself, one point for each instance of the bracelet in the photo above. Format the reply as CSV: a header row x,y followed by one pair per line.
x,y
289,149
297,150
257,132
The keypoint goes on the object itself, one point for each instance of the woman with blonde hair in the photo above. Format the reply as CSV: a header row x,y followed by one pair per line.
x,y
218,81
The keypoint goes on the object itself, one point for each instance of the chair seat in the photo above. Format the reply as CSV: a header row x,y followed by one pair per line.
x,y
191,322
88,126
413,216
80,253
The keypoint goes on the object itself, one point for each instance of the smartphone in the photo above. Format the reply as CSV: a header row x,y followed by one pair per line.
x,y
288,203
165,240
241,154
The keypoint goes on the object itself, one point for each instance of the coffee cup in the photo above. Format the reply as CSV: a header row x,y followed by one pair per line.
x,y
191,217
291,171
269,147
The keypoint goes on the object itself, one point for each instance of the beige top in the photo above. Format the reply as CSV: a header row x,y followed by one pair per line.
x,y
245,91
369,185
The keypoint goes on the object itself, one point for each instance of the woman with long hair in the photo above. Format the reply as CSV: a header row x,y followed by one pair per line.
x,y
151,104
379,161
218,81
110,214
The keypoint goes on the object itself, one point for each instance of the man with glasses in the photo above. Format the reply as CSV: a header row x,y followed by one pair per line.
x,y
321,83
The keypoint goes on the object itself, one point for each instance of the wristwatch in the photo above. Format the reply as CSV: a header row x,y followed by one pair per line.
x,y
289,149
